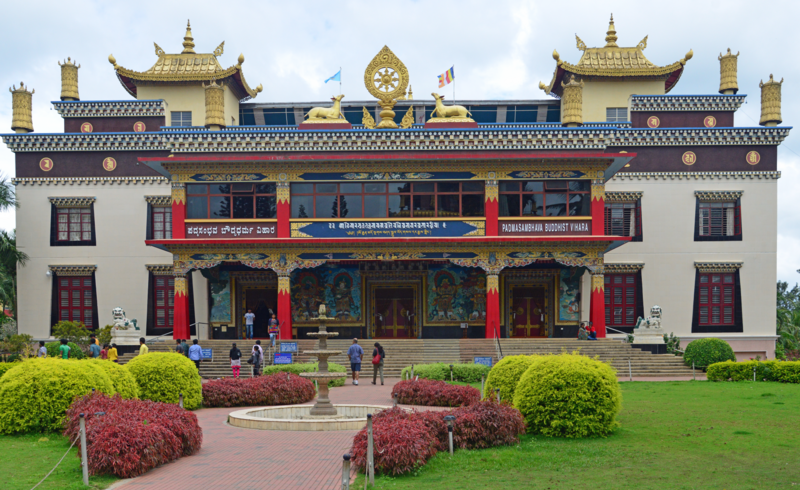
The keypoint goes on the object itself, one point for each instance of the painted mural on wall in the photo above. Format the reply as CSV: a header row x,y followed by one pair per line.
x,y
338,287
220,284
569,287
455,295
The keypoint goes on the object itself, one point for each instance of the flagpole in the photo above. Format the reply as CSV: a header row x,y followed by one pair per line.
x,y
340,80
454,83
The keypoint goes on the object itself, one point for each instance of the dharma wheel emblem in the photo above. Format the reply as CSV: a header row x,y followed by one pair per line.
x,y
386,78
710,121
653,122
753,157
689,158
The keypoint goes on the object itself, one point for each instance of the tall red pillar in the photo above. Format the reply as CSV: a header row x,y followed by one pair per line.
x,y
597,305
598,207
492,305
178,211
285,306
283,212
180,319
491,209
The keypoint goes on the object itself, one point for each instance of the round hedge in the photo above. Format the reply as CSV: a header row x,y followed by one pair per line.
x,y
35,394
75,351
308,367
569,395
162,376
122,379
705,352
505,375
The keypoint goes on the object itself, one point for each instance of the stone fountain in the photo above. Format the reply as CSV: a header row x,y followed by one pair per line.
x,y
323,407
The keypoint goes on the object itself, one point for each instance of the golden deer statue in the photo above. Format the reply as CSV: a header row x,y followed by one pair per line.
x,y
447,111
327,113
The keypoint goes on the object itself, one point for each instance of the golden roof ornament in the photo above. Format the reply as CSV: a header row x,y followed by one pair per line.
x,y
386,78
327,115
367,120
69,80
572,103
215,106
22,109
728,67
449,113
770,102
188,40
408,119
611,34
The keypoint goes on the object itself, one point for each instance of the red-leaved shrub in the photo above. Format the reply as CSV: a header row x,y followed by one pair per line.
x,y
401,442
129,437
480,425
275,389
433,393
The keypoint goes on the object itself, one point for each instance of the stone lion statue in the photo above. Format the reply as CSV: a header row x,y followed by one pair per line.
x,y
652,322
122,323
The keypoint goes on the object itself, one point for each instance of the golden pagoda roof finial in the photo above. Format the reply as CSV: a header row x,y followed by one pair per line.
x,y
188,40
611,35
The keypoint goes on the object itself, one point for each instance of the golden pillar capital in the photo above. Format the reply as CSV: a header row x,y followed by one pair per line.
x,y
491,190
283,192
178,193
492,283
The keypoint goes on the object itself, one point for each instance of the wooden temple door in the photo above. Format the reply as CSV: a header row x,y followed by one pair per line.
x,y
394,313
528,315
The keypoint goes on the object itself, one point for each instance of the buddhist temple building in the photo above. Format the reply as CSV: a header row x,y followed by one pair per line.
x,y
597,197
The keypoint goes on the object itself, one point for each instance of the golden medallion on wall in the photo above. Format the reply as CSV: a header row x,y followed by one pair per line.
x,y
46,164
710,121
689,158
753,157
87,127
139,127
386,78
109,164
653,122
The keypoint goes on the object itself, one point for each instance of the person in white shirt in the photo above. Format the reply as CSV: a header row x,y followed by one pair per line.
x,y
248,323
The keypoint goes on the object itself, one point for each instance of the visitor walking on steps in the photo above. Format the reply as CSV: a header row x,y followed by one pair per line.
x,y
273,329
355,353
143,349
249,317
178,346
195,354
95,350
112,354
236,360
185,347
257,356
378,355
104,352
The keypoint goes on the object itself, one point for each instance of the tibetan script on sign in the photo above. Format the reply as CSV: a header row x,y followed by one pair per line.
x,y
546,227
232,230
388,229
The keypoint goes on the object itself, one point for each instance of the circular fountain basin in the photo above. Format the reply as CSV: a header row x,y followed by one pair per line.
x,y
298,418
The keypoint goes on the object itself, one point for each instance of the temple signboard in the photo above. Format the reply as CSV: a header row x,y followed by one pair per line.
x,y
545,227
266,229
387,229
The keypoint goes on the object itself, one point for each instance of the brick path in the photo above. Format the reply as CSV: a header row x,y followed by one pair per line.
x,y
244,459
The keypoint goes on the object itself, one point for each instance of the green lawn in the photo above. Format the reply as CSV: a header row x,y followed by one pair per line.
x,y
676,435
24,460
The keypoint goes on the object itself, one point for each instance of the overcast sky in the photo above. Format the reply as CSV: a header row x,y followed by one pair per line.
x,y
501,49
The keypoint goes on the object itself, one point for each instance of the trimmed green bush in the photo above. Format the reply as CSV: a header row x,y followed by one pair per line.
x,y
122,379
309,367
35,394
569,395
5,366
780,371
162,376
466,373
705,352
505,375
75,351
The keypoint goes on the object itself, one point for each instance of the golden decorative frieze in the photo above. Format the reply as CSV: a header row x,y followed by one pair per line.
x,y
770,102
572,103
181,285
255,277
720,267
491,191
598,190
598,282
728,67
283,192
492,283
622,267
22,109
72,202
666,103
295,230
623,196
718,196
215,105
480,228
69,80
367,120
88,180
178,193
284,284
159,201
73,270
755,175
161,269
408,119
111,108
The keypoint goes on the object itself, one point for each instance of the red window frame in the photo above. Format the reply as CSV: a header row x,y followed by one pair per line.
x,y
75,299
713,219
618,217
161,222
72,221
163,301
620,299
266,192
410,197
716,299
548,190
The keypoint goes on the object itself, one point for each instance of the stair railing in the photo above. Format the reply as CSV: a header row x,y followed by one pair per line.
x,y
155,339
498,348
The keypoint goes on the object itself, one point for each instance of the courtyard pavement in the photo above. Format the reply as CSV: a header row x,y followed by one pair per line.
x,y
243,459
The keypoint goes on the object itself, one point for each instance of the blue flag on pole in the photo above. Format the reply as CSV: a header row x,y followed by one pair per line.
x,y
335,78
